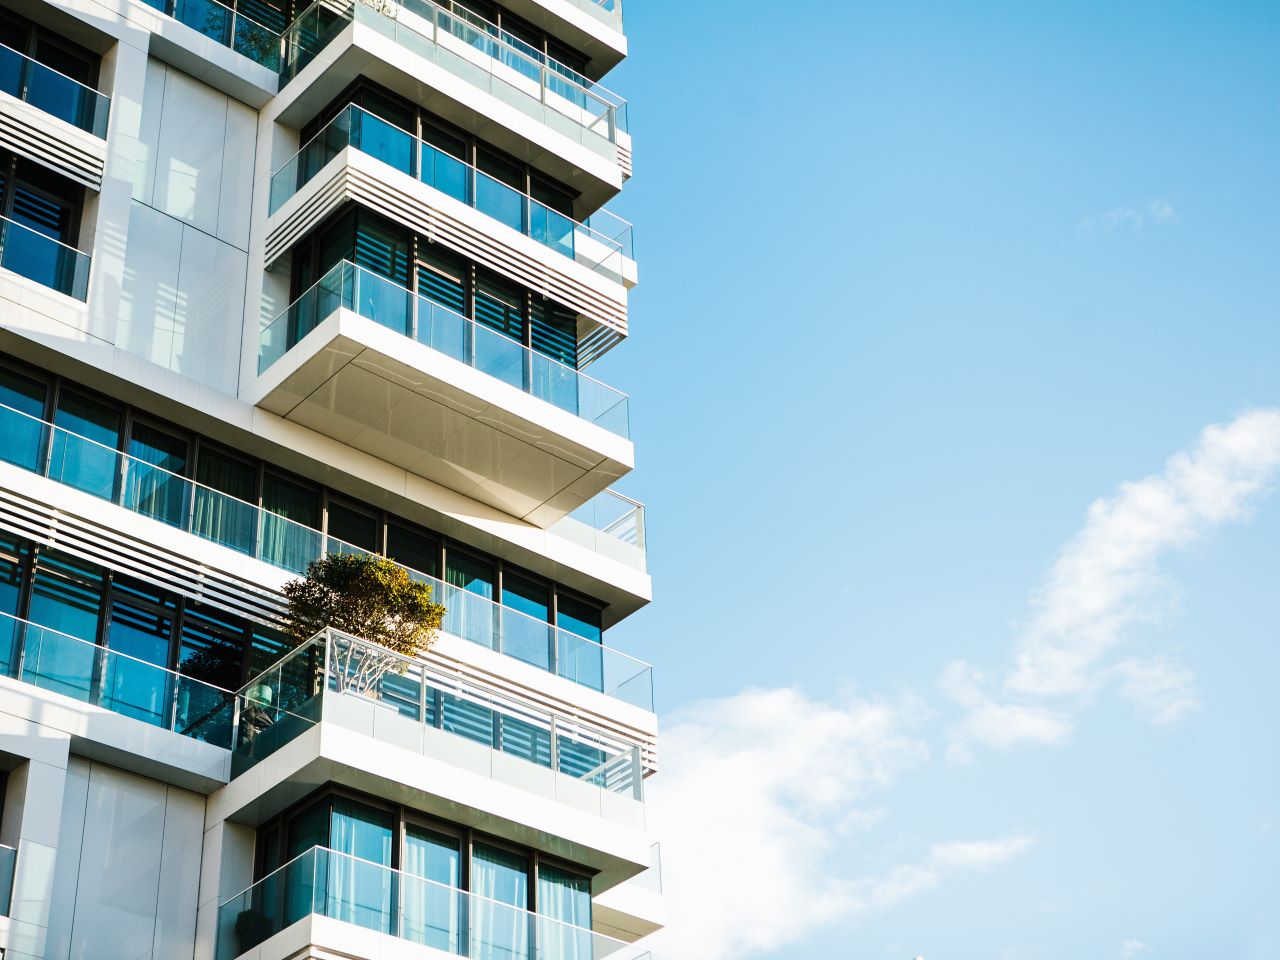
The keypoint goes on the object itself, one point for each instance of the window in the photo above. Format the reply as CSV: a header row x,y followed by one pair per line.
x,y
526,615
415,550
472,619
66,596
154,484
565,897
289,537
83,453
140,629
47,83
433,909
15,559
351,526
24,435
579,650
42,211
225,500
500,882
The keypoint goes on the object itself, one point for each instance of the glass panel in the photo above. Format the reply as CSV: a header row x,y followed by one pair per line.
x,y
227,513
156,493
446,173
15,555
353,527
359,891
526,633
23,435
505,204
290,545
211,651
465,617
381,140
432,911
205,16
498,933
579,655
84,453
415,550
66,595
566,897
142,632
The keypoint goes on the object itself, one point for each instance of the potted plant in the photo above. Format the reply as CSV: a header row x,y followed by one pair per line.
x,y
374,600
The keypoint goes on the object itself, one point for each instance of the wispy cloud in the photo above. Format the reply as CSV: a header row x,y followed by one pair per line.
x,y
1107,578
980,853
1131,948
764,784
994,724
1129,219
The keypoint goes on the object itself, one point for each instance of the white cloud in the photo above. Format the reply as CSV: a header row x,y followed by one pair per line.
x,y
755,793
1163,691
993,724
980,853
1131,948
761,797
1131,219
1105,580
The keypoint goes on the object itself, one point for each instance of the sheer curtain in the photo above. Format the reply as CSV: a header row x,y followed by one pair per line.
x,y
499,923
225,514
361,886
469,610
432,907
565,900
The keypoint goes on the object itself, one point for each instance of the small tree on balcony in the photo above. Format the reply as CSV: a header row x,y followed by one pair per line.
x,y
372,599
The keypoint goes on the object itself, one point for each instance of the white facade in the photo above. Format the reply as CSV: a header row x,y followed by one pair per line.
x,y
276,281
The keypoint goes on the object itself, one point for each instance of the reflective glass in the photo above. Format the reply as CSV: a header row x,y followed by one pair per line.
x,y
23,435
84,453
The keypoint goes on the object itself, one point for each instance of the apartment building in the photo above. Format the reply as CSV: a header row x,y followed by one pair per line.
x,y
277,281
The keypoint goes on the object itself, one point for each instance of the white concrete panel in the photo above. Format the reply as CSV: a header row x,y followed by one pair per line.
x,y
143,150
119,866
149,289
66,875
235,200
189,155
210,300
175,927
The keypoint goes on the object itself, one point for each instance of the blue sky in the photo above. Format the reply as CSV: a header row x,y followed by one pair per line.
x,y
919,284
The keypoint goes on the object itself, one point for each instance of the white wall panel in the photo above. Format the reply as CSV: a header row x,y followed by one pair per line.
x,y
66,873
179,875
133,892
142,149
235,199
193,125
119,866
207,323
149,289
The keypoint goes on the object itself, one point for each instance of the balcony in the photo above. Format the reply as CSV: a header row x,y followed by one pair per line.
x,y
407,701
608,524
226,26
603,243
389,372
143,488
41,258
468,64
114,681
396,904
53,93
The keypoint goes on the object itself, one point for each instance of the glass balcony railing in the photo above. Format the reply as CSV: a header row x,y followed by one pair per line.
x,y
53,92
603,243
8,862
607,11
614,515
330,884
286,700
389,304
115,681
475,51
228,27
32,254
144,488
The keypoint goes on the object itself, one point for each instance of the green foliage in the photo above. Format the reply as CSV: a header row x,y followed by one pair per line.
x,y
369,597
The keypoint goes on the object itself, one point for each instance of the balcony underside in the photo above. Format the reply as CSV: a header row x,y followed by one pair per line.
x,y
396,399
364,49
354,176
30,132
597,36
